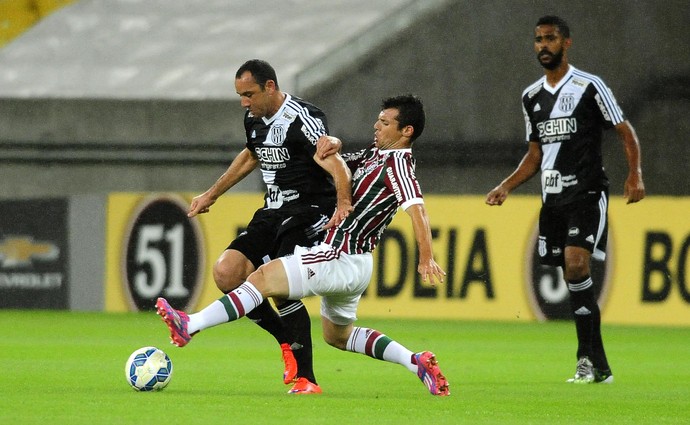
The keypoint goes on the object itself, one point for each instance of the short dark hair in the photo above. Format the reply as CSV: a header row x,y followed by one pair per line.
x,y
261,70
562,25
410,112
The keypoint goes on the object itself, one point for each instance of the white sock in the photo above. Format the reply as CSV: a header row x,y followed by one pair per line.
x,y
236,304
377,345
214,314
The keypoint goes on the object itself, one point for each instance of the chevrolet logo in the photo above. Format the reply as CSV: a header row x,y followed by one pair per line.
x,y
21,250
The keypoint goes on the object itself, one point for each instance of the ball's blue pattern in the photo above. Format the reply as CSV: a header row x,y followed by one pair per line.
x,y
161,376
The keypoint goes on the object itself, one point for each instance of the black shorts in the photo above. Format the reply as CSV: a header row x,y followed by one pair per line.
x,y
273,233
583,224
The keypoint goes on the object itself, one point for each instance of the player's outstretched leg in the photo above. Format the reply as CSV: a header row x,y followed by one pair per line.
x,y
228,308
379,346
430,374
176,320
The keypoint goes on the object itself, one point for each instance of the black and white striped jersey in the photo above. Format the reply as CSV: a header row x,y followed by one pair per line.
x,y
285,145
568,121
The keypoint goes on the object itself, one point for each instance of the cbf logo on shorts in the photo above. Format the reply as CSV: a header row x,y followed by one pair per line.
x,y
546,289
164,254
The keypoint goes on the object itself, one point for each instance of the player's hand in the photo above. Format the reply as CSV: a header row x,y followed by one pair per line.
x,y
328,145
429,269
634,189
497,196
344,209
201,204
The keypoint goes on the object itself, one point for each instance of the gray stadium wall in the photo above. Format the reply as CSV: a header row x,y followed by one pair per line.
x,y
469,62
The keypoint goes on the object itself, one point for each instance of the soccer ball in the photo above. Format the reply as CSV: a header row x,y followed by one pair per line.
x,y
148,369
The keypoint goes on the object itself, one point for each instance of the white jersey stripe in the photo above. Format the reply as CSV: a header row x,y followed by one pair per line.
x,y
606,96
290,309
404,180
310,123
535,86
598,254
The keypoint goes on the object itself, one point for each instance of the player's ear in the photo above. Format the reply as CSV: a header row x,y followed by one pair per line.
x,y
270,86
567,43
408,131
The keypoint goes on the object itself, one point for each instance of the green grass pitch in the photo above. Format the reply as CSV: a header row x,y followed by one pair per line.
x,y
68,368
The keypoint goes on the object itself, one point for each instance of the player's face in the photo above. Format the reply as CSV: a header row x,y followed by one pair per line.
x,y
549,45
255,98
387,134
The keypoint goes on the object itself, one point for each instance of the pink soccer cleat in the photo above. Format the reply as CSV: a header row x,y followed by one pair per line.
x,y
430,374
176,320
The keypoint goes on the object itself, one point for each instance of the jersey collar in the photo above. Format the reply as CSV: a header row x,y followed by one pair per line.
x,y
561,83
395,150
280,110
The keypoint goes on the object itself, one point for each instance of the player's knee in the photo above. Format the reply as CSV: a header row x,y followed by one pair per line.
x,y
576,263
226,279
231,270
576,269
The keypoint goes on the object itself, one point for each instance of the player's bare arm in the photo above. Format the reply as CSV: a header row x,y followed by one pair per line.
x,y
342,178
328,145
427,268
633,190
528,167
243,164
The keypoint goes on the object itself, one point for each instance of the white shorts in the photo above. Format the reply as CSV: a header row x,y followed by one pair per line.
x,y
340,279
